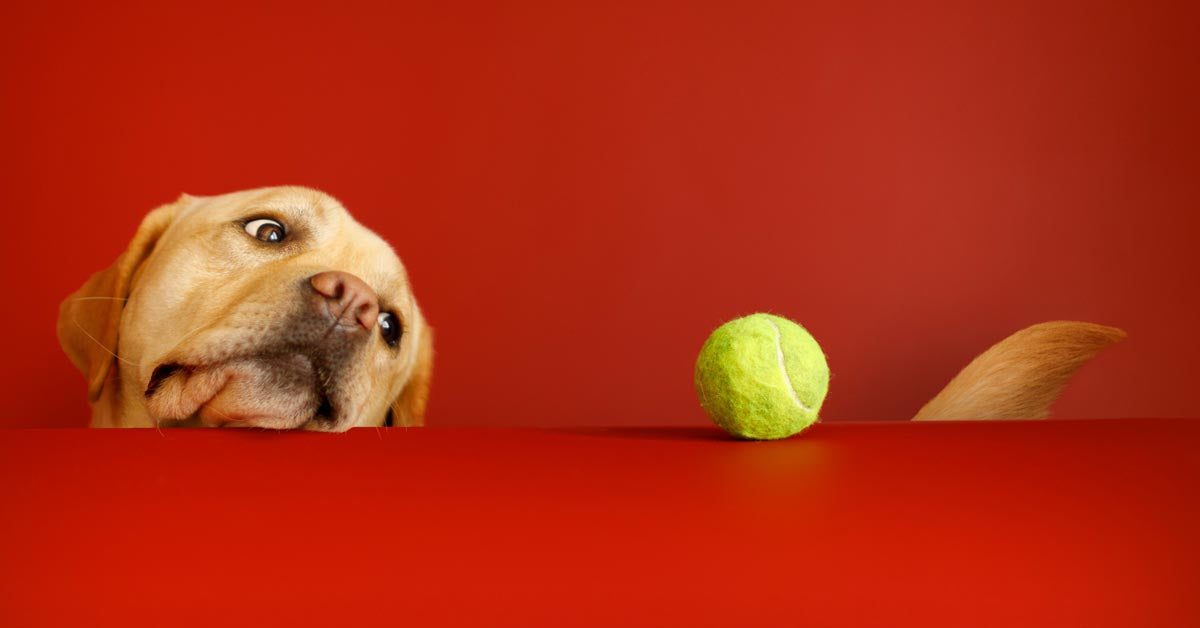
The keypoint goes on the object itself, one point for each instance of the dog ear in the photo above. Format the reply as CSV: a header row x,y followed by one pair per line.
x,y
408,410
88,320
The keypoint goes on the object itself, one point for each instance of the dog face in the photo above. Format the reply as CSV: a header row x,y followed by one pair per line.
x,y
266,308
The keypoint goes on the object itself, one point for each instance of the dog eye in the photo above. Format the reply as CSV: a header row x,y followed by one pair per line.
x,y
266,230
389,328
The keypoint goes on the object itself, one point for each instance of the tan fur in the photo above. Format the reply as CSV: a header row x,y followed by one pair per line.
x,y
1020,376
193,289
409,408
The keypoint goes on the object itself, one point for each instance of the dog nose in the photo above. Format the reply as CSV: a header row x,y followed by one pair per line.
x,y
349,299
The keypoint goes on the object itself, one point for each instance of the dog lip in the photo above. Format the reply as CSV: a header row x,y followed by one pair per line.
x,y
326,412
330,407
160,374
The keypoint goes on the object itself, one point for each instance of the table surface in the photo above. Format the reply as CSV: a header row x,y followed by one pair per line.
x,y
1001,523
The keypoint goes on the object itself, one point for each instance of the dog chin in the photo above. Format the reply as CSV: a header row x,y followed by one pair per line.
x,y
274,392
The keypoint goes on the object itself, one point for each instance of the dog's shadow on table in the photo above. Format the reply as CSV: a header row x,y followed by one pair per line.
x,y
648,433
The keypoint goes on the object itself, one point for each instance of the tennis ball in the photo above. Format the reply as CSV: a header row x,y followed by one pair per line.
x,y
762,377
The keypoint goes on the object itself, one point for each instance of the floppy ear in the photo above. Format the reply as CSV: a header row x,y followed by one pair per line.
x,y
408,410
89,319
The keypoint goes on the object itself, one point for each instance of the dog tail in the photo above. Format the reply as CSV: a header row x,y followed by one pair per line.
x,y
1020,376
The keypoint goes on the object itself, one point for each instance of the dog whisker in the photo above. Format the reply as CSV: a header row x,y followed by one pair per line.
x,y
110,351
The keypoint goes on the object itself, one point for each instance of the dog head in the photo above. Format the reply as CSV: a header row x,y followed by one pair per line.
x,y
267,308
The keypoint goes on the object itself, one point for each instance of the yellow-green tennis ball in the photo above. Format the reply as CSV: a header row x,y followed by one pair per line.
x,y
762,377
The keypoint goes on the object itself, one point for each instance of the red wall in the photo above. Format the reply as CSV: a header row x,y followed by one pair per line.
x,y
581,194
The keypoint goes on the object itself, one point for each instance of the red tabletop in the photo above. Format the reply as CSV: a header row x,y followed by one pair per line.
x,y
1051,523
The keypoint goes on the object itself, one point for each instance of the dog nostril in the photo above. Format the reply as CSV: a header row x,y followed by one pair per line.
x,y
329,285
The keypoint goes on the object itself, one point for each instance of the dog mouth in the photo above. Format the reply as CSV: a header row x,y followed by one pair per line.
x,y
276,391
160,374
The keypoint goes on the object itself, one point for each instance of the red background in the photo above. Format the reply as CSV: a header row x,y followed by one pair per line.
x,y
582,193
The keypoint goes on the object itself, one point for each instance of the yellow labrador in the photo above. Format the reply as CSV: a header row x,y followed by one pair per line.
x,y
265,308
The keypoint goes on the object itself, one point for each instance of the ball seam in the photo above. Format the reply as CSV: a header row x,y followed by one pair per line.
x,y
783,367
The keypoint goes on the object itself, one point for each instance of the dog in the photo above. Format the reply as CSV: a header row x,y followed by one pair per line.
x,y
273,308
268,308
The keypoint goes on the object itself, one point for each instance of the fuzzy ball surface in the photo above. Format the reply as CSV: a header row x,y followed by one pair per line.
x,y
762,377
